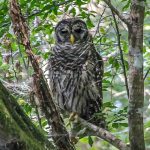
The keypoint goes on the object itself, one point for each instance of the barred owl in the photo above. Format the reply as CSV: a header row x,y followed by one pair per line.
x,y
76,70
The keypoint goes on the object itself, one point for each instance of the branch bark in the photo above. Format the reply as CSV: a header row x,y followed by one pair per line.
x,y
104,134
40,85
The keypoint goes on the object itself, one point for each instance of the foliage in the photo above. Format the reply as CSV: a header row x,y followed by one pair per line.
x,y
42,17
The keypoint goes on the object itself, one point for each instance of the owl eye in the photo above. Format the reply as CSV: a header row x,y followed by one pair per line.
x,y
64,31
78,30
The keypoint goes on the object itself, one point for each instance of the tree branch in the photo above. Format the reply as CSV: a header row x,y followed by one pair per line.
x,y
146,73
97,29
108,2
105,135
121,53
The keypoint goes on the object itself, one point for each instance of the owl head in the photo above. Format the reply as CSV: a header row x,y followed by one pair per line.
x,y
71,31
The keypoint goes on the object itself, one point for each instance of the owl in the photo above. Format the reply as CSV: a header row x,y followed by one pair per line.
x,y
76,70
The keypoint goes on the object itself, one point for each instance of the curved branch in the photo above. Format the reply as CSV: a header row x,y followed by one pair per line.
x,y
108,2
105,135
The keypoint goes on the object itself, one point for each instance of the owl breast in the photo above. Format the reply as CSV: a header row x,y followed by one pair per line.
x,y
74,88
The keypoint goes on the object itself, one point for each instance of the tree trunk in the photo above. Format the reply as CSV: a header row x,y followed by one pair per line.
x,y
136,81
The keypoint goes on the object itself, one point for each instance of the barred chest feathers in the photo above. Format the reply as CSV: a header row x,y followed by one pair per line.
x,y
73,81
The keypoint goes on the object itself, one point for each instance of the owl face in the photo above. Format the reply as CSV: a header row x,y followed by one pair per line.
x,y
71,31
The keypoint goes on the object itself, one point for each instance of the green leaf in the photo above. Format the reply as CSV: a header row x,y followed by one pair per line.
x,y
84,140
90,141
147,124
44,123
120,119
79,2
27,108
102,30
127,5
124,124
115,125
73,11
46,55
4,67
106,81
89,23
108,73
109,104
83,14
55,10
47,7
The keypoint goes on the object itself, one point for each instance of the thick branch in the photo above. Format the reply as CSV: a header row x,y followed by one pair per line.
x,y
104,134
40,85
121,54
108,2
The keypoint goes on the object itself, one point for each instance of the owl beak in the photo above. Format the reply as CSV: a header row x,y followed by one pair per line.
x,y
72,39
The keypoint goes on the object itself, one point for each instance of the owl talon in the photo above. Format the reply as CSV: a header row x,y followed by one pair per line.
x,y
74,140
73,117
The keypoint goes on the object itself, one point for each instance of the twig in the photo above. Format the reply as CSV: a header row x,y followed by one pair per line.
x,y
121,53
104,134
24,62
146,73
108,2
97,29
111,83
12,61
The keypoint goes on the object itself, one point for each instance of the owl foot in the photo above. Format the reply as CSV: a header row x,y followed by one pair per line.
x,y
74,140
73,117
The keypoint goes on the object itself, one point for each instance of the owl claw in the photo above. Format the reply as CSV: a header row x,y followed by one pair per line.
x,y
72,118
74,140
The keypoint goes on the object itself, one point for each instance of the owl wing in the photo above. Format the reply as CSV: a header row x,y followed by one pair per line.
x,y
98,65
97,71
